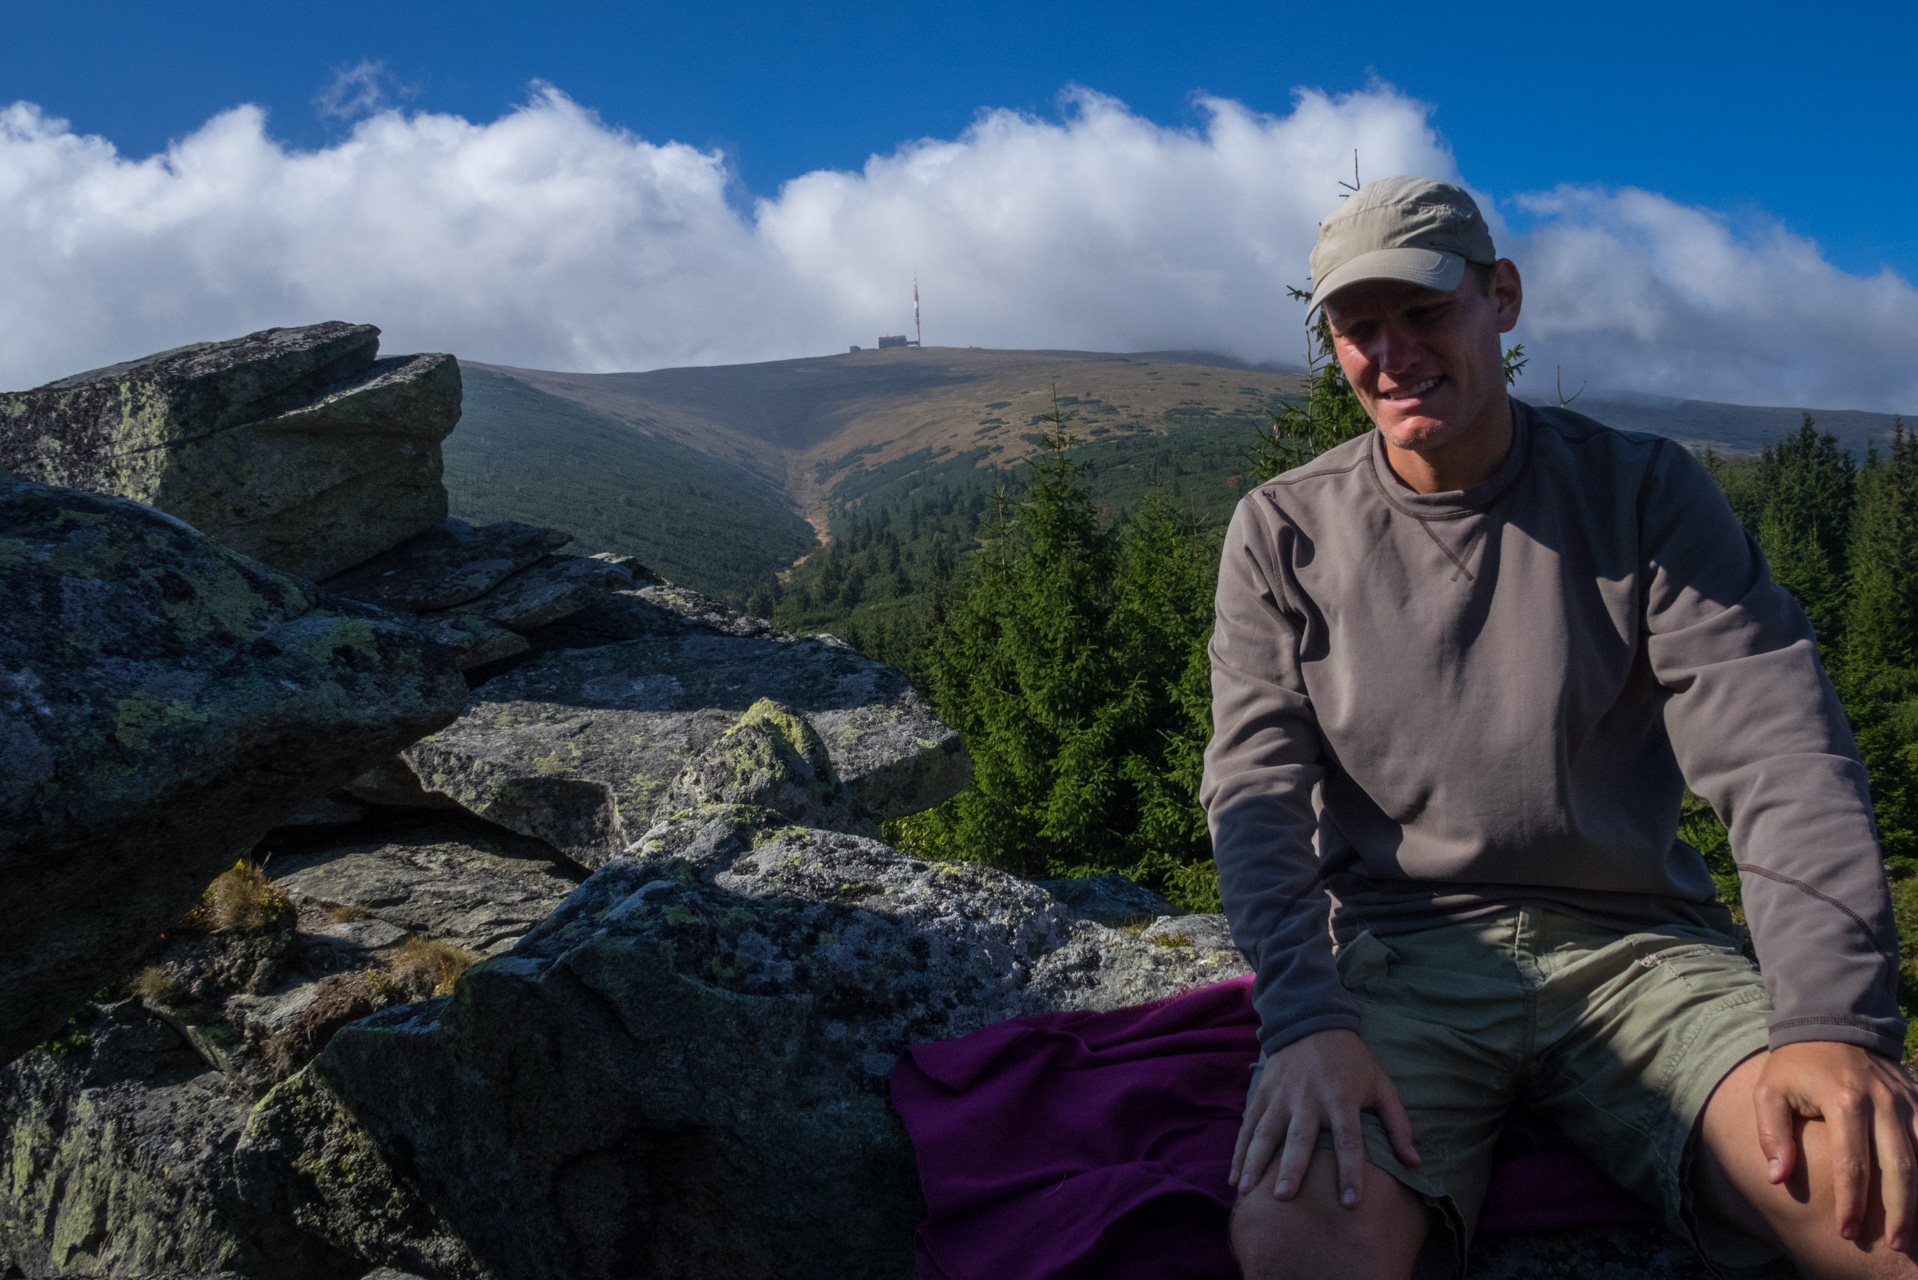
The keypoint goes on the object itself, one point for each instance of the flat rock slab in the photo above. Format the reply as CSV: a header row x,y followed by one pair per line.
x,y
163,702
581,748
551,589
299,447
477,640
730,1001
444,879
655,609
449,564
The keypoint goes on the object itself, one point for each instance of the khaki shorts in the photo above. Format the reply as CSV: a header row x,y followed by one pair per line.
x,y
1619,1038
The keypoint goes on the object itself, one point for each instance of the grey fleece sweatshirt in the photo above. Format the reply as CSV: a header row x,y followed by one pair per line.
x,y
1428,707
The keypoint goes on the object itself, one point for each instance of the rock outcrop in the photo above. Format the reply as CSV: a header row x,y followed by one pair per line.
x,y
731,1000
299,447
585,748
417,1030
163,702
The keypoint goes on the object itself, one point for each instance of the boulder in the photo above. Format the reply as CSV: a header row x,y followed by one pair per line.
x,y
438,877
730,1000
449,564
1110,898
120,1164
123,1130
478,641
552,589
585,748
299,447
163,703
656,609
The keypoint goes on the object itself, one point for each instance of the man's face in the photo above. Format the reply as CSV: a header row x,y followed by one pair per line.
x,y
1426,365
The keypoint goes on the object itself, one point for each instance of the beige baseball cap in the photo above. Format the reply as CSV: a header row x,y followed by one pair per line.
x,y
1418,230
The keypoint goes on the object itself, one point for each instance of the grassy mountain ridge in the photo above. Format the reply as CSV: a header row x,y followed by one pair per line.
x,y
707,472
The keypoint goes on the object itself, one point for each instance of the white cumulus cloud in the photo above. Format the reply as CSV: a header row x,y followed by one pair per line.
x,y
548,238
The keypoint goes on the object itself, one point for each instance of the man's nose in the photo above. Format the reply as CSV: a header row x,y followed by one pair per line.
x,y
1395,350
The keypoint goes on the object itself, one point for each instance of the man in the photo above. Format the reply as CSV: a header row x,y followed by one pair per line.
x,y
1463,668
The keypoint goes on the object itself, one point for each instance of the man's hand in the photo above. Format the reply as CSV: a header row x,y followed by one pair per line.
x,y
1320,1082
1868,1106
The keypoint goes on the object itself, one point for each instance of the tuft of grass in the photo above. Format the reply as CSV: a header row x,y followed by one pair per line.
x,y
1176,938
241,898
429,965
157,984
347,913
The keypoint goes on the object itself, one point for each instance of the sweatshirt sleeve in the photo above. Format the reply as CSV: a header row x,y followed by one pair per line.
x,y
1260,768
1760,734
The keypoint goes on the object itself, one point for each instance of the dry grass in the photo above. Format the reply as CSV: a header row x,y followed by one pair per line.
x,y
156,984
347,913
241,898
428,965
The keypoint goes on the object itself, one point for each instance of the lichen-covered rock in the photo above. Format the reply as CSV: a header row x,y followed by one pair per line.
x,y
1110,898
581,748
361,917
731,1002
448,565
438,878
771,758
656,609
163,703
119,1162
305,1159
552,589
298,447
477,640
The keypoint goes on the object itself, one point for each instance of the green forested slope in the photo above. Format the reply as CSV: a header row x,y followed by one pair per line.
x,y
521,454
901,530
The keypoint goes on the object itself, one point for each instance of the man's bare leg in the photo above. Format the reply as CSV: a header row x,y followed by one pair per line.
x,y
1797,1215
1312,1236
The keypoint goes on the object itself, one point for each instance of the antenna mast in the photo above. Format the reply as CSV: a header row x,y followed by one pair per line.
x,y
918,338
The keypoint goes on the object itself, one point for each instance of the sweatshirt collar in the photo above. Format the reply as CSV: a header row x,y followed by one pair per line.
x,y
1457,502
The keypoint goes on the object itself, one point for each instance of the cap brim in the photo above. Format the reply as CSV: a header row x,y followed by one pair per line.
x,y
1431,268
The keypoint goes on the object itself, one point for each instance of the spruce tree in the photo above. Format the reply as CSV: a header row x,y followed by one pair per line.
x,y
1878,670
1806,482
1061,663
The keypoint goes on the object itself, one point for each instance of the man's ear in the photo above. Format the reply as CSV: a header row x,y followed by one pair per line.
x,y
1508,294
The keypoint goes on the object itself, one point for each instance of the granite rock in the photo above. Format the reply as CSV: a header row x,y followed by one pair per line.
x,y
163,703
582,748
731,1000
299,447
654,609
551,589
1110,898
439,878
120,1164
449,564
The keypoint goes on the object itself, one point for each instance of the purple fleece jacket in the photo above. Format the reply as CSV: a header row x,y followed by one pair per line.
x,y
1428,707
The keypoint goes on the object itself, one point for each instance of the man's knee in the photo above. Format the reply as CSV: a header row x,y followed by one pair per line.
x,y
1798,1216
1313,1235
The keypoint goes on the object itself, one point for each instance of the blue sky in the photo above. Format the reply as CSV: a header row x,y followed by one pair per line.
x,y
1772,143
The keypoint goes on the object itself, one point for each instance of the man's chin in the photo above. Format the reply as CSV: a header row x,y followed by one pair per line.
x,y
1415,432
